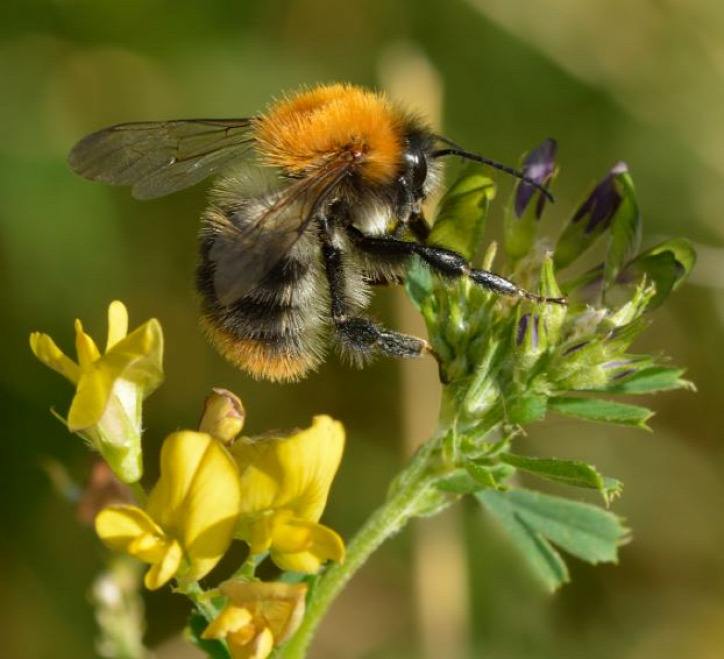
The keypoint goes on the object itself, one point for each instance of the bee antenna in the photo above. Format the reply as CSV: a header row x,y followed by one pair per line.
x,y
456,150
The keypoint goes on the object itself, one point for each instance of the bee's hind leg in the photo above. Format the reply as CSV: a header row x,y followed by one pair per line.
x,y
360,338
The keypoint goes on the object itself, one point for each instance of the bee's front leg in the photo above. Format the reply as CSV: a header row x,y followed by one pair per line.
x,y
445,262
361,339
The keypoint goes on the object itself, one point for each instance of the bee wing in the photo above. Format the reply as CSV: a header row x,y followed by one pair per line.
x,y
160,157
245,252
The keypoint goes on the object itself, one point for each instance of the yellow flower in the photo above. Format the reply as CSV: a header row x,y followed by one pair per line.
x,y
258,618
106,408
191,514
284,487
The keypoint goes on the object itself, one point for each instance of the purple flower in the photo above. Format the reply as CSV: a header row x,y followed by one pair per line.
x,y
538,165
602,203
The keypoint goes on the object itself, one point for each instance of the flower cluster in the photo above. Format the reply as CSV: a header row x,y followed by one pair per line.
x,y
214,486
508,363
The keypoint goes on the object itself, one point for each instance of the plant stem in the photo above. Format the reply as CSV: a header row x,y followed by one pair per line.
x,y
411,487
139,493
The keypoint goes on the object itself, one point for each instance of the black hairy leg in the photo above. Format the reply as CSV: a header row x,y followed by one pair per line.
x,y
360,338
446,262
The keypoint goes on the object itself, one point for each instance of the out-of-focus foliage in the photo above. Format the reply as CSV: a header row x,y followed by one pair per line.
x,y
634,81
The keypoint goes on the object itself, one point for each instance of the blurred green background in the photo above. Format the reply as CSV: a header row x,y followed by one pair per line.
x,y
639,81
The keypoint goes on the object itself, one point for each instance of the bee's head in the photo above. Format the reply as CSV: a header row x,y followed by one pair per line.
x,y
419,173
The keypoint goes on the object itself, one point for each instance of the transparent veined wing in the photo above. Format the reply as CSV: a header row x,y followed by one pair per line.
x,y
160,157
252,238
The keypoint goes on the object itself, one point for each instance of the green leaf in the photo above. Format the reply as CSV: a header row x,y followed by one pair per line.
x,y
213,648
460,218
489,475
605,411
573,473
651,380
535,520
625,234
461,481
667,265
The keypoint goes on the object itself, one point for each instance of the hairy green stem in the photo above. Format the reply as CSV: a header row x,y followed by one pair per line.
x,y
139,493
402,504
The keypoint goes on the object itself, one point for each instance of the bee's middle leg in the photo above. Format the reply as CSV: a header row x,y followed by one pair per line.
x,y
360,338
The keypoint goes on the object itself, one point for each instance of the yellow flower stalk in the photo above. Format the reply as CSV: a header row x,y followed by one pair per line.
x,y
191,515
110,386
258,617
284,487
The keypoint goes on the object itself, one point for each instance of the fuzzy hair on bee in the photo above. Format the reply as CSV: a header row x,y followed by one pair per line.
x,y
321,200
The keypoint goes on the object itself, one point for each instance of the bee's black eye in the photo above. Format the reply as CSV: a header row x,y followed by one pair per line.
x,y
415,168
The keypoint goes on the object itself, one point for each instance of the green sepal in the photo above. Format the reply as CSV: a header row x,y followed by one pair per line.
x,y
460,218
605,411
536,522
213,648
526,204
651,380
568,472
667,265
625,234
527,409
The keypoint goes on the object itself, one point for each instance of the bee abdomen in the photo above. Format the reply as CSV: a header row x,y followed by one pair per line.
x,y
274,332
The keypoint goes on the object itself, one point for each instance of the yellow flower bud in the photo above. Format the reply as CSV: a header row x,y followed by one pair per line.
x,y
223,416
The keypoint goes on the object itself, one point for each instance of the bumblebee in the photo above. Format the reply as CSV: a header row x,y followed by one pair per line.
x,y
323,201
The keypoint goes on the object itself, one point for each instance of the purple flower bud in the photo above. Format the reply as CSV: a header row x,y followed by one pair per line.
x,y
575,348
539,165
522,330
602,203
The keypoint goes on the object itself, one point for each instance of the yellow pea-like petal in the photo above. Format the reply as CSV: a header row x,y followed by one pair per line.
x,y
45,349
293,473
91,399
119,526
162,572
197,497
231,619
324,544
280,605
260,648
291,538
117,323
138,357
85,347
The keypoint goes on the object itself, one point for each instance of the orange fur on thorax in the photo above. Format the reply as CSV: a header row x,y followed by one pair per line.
x,y
301,134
